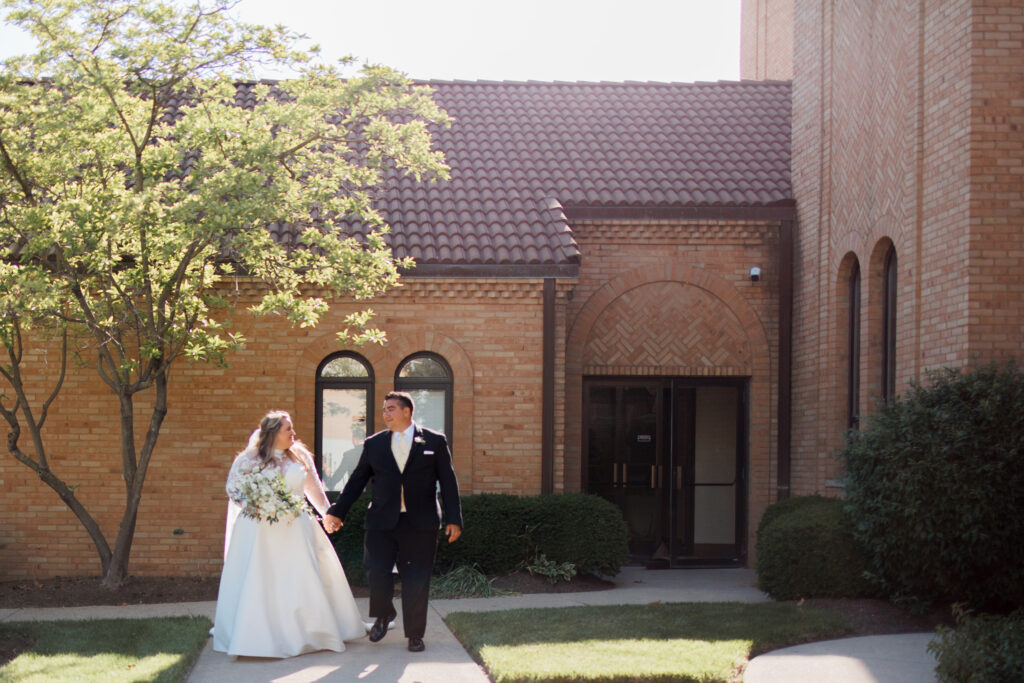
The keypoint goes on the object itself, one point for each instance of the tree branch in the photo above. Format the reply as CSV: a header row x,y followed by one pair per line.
x,y
12,168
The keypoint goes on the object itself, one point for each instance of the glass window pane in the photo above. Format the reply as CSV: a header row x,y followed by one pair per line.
x,y
343,433
344,367
423,367
429,408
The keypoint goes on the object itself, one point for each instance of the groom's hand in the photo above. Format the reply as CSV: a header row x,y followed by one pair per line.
x,y
453,531
332,523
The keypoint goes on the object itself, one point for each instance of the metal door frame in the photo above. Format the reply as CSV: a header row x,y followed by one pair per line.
x,y
668,389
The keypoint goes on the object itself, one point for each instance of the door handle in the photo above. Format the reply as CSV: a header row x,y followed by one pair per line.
x,y
679,477
653,479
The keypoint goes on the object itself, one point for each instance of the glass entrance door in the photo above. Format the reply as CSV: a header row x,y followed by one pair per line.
x,y
671,454
625,458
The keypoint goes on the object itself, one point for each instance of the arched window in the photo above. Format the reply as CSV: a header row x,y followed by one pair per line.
x,y
889,326
428,378
344,415
853,350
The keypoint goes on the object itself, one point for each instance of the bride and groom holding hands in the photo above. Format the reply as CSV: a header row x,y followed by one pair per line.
x,y
283,591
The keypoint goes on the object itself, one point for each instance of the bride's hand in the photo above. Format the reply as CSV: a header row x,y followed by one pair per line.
x,y
332,523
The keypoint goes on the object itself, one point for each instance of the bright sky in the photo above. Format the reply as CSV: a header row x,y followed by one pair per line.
x,y
544,40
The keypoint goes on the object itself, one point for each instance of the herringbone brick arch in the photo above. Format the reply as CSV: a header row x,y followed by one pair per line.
x,y
670,328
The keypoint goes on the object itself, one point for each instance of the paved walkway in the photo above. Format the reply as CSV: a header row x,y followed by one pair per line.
x,y
875,659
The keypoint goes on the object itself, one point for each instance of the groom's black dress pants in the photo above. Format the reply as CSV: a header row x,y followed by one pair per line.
x,y
412,550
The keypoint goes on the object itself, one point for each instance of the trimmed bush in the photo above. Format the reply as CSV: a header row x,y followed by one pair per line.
x,y
806,548
583,529
494,538
982,648
935,484
792,504
503,533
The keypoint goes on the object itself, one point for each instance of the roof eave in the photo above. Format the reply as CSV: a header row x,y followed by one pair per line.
x,y
777,211
510,270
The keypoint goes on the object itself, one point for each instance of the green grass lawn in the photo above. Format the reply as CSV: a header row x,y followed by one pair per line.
x,y
106,649
661,642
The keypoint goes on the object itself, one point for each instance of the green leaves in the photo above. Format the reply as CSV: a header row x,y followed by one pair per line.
x,y
135,172
935,483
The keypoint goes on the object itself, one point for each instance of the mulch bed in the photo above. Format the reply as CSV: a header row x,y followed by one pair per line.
x,y
144,590
86,590
525,582
877,617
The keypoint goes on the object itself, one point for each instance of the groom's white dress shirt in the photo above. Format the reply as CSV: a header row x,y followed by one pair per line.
x,y
401,444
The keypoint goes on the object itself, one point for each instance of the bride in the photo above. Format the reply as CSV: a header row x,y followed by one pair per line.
x,y
282,590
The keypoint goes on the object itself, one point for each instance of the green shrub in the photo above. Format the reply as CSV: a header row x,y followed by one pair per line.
x,y
935,483
493,539
579,528
503,532
463,582
348,542
792,504
554,571
982,648
806,548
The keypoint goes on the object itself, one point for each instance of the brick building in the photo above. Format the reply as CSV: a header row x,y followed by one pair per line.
x,y
581,317
908,176
585,315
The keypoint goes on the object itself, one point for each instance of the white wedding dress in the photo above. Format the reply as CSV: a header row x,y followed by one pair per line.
x,y
282,590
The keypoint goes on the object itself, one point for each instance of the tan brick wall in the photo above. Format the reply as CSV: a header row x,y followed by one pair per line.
x,y
853,178
489,331
675,299
996,270
766,40
905,132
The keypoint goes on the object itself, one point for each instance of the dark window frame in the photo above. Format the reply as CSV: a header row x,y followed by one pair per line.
x,y
853,349
322,383
446,383
889,282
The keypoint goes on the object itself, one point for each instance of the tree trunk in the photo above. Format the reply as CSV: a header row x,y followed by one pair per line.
x,y
41,463
135,478
68,496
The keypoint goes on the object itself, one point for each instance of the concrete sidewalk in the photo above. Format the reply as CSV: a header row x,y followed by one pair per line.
x,y
899,658
875,659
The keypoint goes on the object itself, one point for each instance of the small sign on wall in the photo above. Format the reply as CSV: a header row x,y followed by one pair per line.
x,y
643,438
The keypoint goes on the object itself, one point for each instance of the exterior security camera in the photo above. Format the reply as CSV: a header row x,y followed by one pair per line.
x,y
755,274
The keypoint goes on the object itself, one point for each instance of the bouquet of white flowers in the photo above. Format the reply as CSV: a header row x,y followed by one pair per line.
x,y
263,495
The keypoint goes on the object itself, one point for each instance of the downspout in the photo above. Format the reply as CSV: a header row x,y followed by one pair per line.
x,y
547,424
785,357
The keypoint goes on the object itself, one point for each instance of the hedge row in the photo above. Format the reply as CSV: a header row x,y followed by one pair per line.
x,y
501,532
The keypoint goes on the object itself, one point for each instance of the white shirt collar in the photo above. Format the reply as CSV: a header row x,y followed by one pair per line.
x,y
406,433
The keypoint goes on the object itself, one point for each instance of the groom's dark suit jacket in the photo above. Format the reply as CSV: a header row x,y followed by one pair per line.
x,y
429,463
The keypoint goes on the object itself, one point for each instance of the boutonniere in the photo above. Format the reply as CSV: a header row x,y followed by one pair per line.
x,y
420,440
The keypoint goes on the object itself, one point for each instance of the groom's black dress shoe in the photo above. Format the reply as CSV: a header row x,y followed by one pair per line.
x,y
416,645
380,627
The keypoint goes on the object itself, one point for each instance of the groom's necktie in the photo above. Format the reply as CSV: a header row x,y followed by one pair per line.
x,y
400,447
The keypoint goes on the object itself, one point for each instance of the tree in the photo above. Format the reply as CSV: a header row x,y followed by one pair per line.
x,y
140,164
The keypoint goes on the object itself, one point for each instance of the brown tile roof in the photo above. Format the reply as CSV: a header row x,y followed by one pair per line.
x,y
523,155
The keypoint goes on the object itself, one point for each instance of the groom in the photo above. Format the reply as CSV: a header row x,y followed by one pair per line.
x,y
404,463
